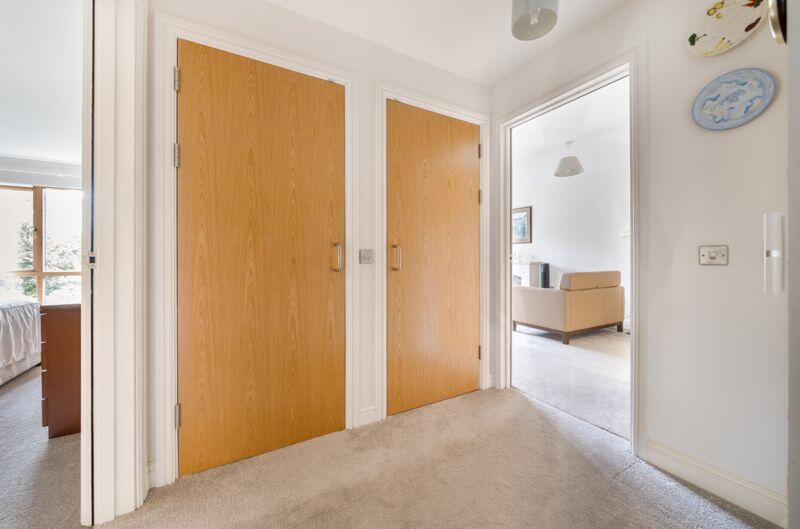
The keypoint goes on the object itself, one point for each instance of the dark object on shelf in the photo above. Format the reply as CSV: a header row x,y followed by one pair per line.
x,y
544,275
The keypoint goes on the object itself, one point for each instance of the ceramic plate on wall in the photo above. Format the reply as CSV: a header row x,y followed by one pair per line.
x,y
722,24
733,99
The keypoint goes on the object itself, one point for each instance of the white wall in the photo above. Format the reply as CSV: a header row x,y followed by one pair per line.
x,y
368,62
577,221
714,349
794,272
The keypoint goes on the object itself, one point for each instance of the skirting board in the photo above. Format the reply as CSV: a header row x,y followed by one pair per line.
x,y
761,501
151,473
365,416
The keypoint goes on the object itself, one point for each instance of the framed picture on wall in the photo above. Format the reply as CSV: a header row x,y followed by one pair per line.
x,y
521,227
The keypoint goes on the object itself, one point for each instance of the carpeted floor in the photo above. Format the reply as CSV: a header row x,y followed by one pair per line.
x,y
589,378
488,459
39,478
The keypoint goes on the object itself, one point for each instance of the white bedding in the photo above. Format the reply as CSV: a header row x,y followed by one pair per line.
x,y
20,338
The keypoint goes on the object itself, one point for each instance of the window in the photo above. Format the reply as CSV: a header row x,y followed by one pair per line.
x,y
40,248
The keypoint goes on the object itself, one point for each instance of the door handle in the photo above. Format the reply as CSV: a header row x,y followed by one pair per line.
x,y
399,263
338,267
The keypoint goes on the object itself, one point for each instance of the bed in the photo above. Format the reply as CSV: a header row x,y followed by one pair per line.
x,y
20,338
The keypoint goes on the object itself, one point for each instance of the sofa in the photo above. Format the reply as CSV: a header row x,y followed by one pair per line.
x,y
585,301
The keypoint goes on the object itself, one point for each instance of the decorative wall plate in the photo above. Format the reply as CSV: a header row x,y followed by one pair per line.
x,y
733,99
722,24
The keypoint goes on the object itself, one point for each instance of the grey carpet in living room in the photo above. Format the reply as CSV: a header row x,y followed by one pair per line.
x,y
487,459
589,378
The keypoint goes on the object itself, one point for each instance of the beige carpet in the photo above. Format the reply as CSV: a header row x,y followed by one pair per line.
x,y
39,478
589,378
491,459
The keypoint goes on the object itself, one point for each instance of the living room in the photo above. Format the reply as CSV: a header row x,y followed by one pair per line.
x,y
571,260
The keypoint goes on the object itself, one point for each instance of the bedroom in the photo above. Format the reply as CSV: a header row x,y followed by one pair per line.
x,y
40,264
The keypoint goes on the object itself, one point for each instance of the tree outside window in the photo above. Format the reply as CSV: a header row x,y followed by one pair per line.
x,y
40,245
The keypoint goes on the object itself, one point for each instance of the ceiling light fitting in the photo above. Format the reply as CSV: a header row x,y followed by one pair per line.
x,y
532,19
569,165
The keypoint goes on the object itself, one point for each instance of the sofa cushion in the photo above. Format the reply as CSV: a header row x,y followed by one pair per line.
x,y
612,278
579,281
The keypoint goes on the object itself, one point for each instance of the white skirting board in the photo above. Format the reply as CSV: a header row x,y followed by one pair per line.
x,y
761,501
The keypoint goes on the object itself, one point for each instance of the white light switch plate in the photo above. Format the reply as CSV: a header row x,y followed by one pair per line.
x,y
366,256
714,255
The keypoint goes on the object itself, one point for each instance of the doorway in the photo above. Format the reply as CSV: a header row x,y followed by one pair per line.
x,y
42,279
261,257
571,273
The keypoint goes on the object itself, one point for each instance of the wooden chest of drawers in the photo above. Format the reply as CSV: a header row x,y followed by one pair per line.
x,y
61,369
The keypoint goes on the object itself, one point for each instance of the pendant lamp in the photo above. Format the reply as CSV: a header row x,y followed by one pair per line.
x,y
532,19
569,165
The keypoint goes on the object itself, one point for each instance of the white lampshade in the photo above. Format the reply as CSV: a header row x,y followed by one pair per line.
x,y
531,19
569,166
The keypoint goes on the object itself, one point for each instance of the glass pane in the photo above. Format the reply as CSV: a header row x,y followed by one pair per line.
x,y
16,230
62,228
13,287
62,289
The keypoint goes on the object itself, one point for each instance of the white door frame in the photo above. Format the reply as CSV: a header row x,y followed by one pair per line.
x,y
113,399
87,500
627,65
383,93
168,29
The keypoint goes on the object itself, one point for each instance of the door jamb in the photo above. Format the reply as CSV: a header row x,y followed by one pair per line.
x,y
629,64
113,399
87,434
383,93
163,309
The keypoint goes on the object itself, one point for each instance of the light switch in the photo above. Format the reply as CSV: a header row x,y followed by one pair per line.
x,y
366,256
713,255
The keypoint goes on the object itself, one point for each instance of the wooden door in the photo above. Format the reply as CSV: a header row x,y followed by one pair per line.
x,y
433,235
261,330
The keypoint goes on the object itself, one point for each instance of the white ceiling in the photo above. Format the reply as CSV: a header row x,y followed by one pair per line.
x,y
41,92
471,38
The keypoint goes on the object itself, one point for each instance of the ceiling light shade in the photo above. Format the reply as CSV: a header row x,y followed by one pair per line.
x,y
531,19
569,165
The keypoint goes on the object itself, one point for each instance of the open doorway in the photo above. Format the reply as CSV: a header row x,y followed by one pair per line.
x,y
41,248
571,255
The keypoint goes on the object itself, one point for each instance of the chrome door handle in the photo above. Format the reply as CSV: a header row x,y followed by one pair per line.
x,y
338,267
399,262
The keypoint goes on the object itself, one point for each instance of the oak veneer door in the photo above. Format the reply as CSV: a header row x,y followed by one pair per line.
x,y
433,235
261,330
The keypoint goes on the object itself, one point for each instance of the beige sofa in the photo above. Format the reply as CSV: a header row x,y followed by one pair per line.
x,y
585,301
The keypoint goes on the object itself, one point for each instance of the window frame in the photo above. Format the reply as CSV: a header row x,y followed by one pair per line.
x,y
38,272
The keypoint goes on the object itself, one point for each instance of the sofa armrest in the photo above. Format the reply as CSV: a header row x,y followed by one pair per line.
x,y
542,307
597,307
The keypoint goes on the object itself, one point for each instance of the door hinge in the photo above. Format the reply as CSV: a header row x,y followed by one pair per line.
x,y
480,196
176,79
91,260
480,353
177,416
480,150
176,155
